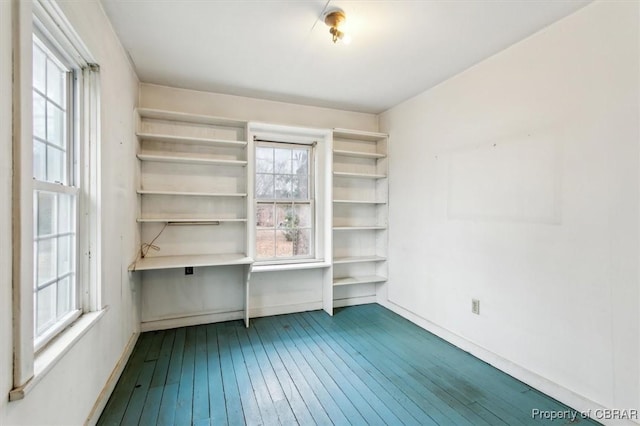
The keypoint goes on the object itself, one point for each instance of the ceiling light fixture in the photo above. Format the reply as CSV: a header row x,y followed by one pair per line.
x,y
335,19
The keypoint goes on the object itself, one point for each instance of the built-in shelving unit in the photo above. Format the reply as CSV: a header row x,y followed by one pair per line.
x,y
193,192
360,211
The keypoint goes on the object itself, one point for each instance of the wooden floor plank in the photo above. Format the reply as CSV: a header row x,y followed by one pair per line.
x,y
277,395
117,404
336,404
184,408
164,357
408,411
367,404
250,407
258,384
235,416
151,407
310,396
201,374
364,365
296,402
139,394
167,412
217,405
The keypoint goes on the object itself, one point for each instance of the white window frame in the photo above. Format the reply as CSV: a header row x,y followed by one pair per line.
x,y
33,359
320,168
275,201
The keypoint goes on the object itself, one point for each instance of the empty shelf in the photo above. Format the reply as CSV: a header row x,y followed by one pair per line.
x,y
359,175
168,262
358,259
359,280
192,194
358,154
358,228
358,135
190,160
192,140
186,221
358,202
183,117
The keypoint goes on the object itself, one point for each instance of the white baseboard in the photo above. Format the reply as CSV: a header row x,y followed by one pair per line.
x,y
554,390
189,320
284,309
108,388
353,301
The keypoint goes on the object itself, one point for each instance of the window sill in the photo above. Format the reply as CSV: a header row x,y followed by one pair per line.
x,y
48,357
276,267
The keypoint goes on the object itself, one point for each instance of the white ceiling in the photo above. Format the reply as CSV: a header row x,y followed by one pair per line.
x,y
281,50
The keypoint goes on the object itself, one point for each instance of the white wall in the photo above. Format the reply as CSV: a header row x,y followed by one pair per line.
x,y
169,298
527,199
68,392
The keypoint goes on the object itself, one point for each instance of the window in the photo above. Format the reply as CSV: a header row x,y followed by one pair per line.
x,y
55,193
284,201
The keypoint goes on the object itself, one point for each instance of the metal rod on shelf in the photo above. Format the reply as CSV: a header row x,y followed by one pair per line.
x,y
215,222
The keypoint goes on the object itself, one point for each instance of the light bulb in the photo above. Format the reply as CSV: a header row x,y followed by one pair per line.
x,y
346,38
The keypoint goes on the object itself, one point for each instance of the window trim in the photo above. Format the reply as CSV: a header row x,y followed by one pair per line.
x,y
47,18
322,164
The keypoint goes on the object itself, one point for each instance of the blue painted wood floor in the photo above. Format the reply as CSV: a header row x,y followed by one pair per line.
x,y
364,365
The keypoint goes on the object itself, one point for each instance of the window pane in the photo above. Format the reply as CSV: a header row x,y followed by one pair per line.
x,y
264,160
39,160
300,188
66,215
303,214
302,243
46,213
282,161
65,254
46,260
65,296
55,165
285,216
46,308
39,69
55,125
264,215
284,242
55,83
300,162
283,186
265,244
264,186
39,116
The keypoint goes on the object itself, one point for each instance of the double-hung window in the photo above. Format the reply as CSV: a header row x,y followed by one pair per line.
x,y
55,192
284,187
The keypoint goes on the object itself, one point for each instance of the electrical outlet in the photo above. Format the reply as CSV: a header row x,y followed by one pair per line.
x,y
475,306
188,270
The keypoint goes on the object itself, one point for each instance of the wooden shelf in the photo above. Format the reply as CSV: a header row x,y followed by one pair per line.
x,y
358,154
158,114
195,221
357,259
360,135
169,262
192,140
358,228
191,194
190,160
358,280
358,202
358,175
